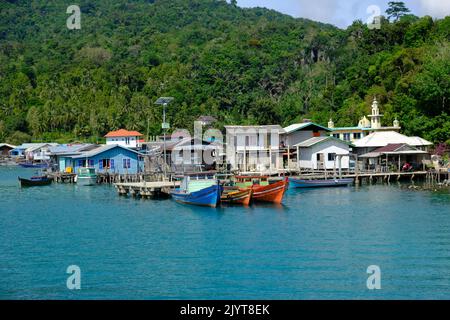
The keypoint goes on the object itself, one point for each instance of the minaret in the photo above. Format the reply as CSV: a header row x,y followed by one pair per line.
x,y
331,124
396,123
375,117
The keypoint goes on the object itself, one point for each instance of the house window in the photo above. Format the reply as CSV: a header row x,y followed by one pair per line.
x,y
347,136
336,135
105,164
81,163
318,157
127,140
91,162
331,156
357,136
126,163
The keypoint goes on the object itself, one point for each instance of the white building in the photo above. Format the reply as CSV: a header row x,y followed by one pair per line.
x,y
299,132
124,138
254,148
38,151
383,138
323,153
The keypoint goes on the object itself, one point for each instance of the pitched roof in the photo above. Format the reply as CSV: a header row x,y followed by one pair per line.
x,y
100,150
316,140
7,145
393,149
37,146
72,148
383,138
123,133
302,126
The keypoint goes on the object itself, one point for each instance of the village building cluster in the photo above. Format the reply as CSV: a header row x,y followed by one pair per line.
x,y
265,149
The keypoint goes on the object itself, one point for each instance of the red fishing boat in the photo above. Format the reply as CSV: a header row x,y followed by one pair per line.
x,y
263,189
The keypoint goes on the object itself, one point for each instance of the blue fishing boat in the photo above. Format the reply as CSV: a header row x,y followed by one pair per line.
x,y
302,183
200,192
41,165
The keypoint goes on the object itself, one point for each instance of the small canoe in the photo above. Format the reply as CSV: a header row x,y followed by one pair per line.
x,y
301,183
237,196
35,181
270,193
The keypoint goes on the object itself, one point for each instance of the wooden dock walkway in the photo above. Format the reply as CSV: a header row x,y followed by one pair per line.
x,y
146,189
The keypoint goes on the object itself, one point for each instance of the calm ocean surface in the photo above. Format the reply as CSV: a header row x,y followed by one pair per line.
x,y
318,245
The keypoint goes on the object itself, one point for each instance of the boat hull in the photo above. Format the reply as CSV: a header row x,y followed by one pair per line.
x,y
86,181
237,196
272,193
208,197
34,165
299,183
35,182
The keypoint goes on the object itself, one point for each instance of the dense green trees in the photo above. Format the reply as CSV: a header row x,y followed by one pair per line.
x,y
245,66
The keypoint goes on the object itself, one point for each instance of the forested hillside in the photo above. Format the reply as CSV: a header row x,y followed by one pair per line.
x,y
244,66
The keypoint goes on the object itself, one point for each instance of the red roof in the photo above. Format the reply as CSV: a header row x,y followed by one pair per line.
x,y
390,147
123,133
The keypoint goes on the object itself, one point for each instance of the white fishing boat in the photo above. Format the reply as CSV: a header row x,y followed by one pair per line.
x,y
86,177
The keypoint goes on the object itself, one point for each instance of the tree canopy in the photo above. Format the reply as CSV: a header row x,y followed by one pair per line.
x,y
396,9
244,66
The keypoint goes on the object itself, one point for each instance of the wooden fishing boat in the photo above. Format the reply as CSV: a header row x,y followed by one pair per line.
x,y
302,183
35,181
263,189
237,196
200,192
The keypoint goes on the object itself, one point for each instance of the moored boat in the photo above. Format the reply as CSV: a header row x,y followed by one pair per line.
x,y
263,189
41,165
35,181
200,192
237,196
302,183
86,177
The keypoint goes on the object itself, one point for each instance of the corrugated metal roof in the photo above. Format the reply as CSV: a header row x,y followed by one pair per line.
x,y
301,126
102,149
313,141
7,145
383,138
392,147
70,148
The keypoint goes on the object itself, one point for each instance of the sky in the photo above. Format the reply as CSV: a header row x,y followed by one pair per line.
x,y
342,13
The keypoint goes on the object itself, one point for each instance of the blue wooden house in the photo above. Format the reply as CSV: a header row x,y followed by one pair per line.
x,y
110,158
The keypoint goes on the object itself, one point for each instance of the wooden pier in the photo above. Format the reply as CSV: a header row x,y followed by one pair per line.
x,y
146,189
368,176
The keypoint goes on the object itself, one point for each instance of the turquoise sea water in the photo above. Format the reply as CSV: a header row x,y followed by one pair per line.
x,y
318,245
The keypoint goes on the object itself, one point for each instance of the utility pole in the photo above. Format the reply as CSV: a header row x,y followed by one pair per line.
x,y
164,101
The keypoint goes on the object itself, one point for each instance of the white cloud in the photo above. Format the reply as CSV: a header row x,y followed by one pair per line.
x,y
435,8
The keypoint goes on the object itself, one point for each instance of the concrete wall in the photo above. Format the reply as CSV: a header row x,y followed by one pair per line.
x,y
297,137
308,156
122,141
